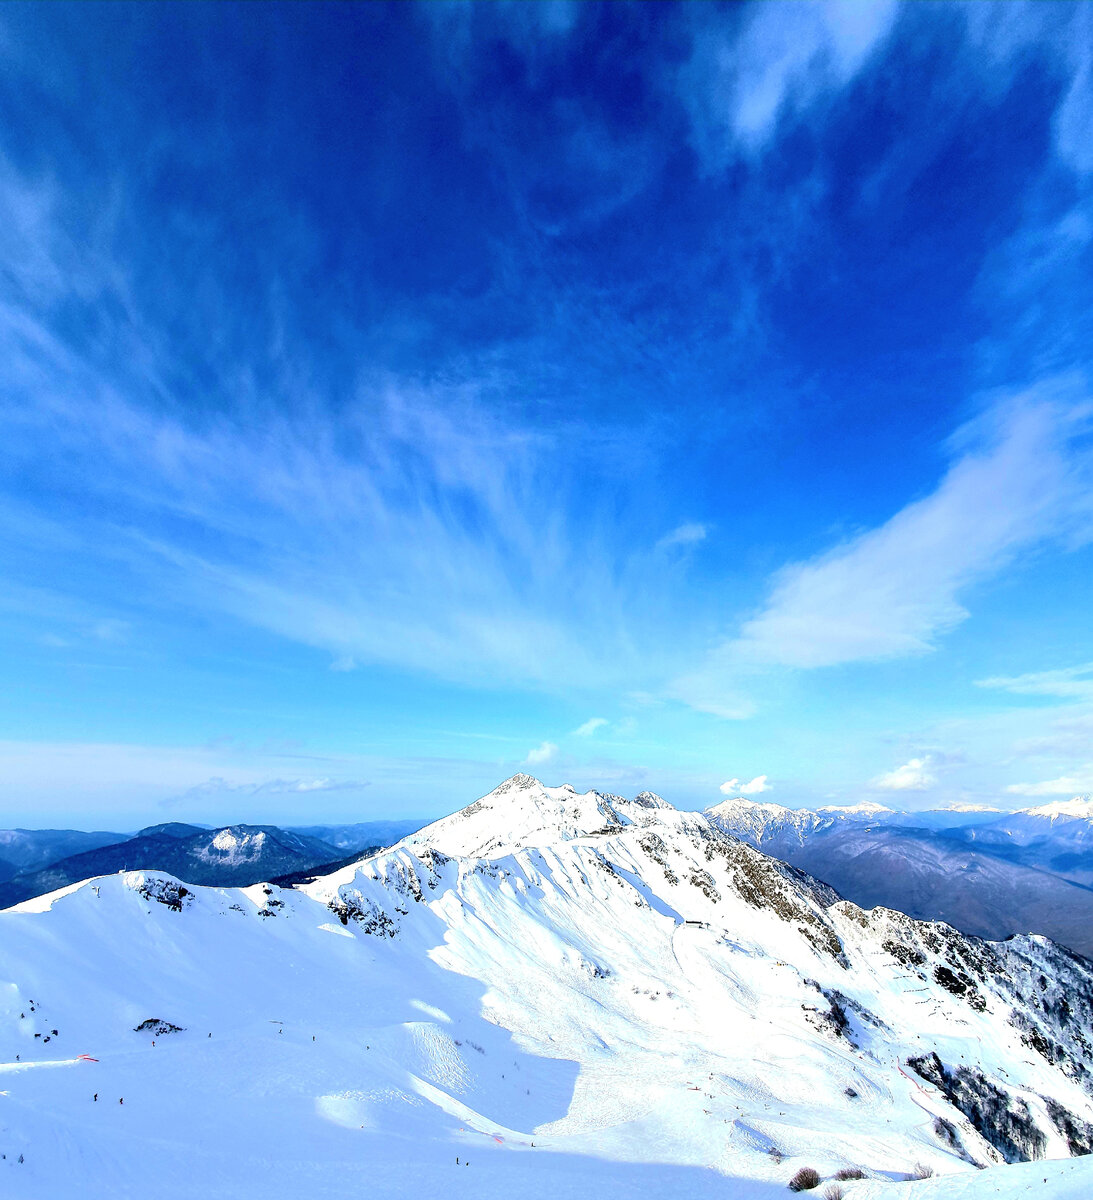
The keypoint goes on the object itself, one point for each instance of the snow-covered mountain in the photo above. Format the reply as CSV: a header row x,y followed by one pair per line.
x,y
758,823
761,823
1063,825
545,993
234,854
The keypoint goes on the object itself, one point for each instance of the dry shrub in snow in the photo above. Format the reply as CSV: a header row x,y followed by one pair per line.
x,y
805,1180
850,1173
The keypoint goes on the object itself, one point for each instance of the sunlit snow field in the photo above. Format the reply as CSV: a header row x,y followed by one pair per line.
x,y
532,1025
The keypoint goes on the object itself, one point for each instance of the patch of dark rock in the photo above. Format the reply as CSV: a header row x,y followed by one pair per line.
x,y
1078,1133
157,1026
166,891
960,985
1002,1118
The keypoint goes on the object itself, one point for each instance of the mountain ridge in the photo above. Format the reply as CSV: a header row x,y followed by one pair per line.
x,y
554,984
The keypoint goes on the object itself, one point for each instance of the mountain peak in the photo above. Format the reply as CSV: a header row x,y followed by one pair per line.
x,y
864,808
739,809
755,822
743,803
1078,808
523,811
519,780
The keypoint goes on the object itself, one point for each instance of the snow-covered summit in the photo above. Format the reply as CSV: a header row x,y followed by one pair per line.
x,y
865,808
1064,825
757,823
1080,808
523,811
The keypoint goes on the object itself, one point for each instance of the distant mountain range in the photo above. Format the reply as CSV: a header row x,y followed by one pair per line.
x,y
31,849
986,872
363,835
234,855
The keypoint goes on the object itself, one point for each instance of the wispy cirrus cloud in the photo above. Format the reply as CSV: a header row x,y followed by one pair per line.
x,y
414,529
376,518
1071,683
275,787
1070,734
590,726
743,77
687,534
1062,36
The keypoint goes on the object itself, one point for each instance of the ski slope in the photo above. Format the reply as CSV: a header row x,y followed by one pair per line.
x,y
518,988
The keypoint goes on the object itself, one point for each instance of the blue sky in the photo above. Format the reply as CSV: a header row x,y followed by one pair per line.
x,y
646,396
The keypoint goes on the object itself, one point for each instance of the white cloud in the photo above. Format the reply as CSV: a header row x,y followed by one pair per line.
x,y
434,539
1074,117
217,786
131,777
371,518
1020,479
733,787
892,591
541,754
1072,683
110,629
590,726
1065,785
913,776
1063,34
1069,735
121,786
683,535
737,85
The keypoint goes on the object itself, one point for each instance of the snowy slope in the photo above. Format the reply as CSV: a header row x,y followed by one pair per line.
x,y
519,985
